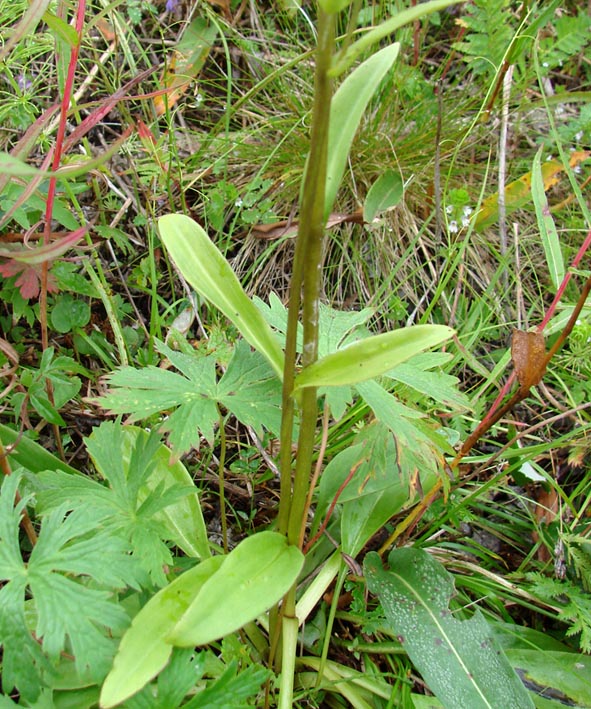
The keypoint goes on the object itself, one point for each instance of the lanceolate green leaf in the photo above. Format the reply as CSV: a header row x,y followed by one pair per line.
x,y
205,268
546,226
459,659
387,28
254,576
347,107
30,455
143,651
371,357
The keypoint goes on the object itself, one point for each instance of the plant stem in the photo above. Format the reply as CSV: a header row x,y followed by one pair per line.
x,y
304,291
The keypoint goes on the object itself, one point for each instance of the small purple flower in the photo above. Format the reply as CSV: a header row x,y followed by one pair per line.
x,y
23,82
171,5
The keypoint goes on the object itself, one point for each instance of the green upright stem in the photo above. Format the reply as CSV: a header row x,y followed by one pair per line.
x,y
304,292
304,295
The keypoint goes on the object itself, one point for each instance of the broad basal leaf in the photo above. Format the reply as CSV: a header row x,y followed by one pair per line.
x,y
459,659
144,651
254,576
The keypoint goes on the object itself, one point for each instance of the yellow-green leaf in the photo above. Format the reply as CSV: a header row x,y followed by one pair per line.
x,y
254,576
186,62
518,193
205,268
144,651
371,357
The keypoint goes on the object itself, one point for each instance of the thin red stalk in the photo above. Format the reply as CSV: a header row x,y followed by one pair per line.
x,y
333,504
577,259
57,156
585,246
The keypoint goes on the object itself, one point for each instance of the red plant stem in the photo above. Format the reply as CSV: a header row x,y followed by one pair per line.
x,y
57,156
540,328
568,275
333,504
495,412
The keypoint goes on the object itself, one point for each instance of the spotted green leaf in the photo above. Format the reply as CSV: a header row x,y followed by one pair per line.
x,y
459,659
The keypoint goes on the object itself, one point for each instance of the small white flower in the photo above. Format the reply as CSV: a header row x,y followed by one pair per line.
x,y
577,169
465,221
449,209
545,65
238,203
453,227
579,136
548,158
467,211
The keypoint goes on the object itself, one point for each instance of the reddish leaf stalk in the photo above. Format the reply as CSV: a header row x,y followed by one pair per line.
x,y
57,156
495,413
26,523
549,313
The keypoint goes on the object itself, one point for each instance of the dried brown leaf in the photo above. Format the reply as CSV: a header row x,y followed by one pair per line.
x,y
528,352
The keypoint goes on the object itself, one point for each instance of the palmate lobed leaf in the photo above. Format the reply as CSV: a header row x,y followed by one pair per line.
x,y
437,385
71,549
459,660
248,389
148,499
